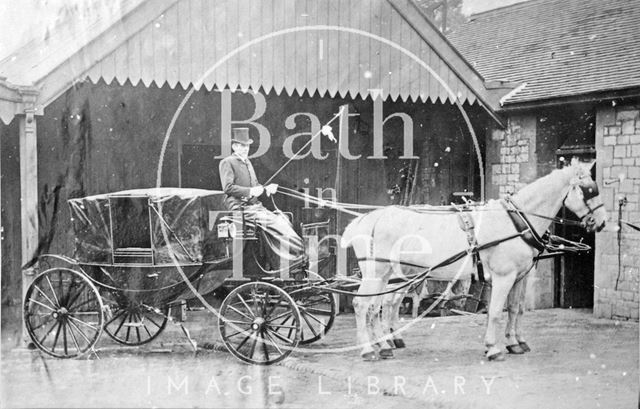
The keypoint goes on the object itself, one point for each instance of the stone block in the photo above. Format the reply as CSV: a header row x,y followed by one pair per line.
x,y
523,157
514,150
627,186
616,171
634,139
627,295
524,149
515,168
617,161
614,130
609,140
622,140
620,151
513,178
505,168
497,135
509,159
496,170
504,151
633,172
635,150
627,114
628,161
605,156
523,142
628,127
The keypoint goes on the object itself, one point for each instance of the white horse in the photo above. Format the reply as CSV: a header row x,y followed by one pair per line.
x,y
397,241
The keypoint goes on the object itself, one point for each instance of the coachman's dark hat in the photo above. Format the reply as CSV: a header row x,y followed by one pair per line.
x,y
241,135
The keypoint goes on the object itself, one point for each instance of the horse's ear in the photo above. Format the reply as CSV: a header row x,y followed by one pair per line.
x,y
575,161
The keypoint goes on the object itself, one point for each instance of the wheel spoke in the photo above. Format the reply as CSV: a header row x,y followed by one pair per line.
x,y
153,322
253,315
73,337
118,314
241,313
129,327
314,318
81,332
242,332
121,323
41,304
304,316
49,332
76,296
45,296
288,312
243,342
317,311
137,327
253,346
53,292
83,323
264,347
282,326
34,329
64,338
273,342
228,321
281,337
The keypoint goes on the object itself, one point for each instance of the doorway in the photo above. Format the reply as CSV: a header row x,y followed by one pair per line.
x,y
574,272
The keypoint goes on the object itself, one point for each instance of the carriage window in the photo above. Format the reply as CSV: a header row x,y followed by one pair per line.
x,y
130,222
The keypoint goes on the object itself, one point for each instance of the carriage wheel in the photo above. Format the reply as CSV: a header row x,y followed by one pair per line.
x,y
131,323
63,313
317,311
259,323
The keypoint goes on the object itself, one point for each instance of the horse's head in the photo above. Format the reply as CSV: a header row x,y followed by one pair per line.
x,y
583,198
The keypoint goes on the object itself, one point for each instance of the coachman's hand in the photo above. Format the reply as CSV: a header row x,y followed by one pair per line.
x,y
256,190
271,189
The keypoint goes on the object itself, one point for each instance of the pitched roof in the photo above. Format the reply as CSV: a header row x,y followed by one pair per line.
x,y
178,41
555,48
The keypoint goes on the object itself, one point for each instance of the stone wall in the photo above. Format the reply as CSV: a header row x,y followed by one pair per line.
x,y
617,267
512,164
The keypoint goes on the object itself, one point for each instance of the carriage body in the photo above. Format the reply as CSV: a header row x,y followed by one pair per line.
x,y
137,252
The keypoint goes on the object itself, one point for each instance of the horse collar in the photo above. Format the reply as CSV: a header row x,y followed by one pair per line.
x,y
523,225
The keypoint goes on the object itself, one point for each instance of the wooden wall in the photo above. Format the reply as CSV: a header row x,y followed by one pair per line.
x,y
99,138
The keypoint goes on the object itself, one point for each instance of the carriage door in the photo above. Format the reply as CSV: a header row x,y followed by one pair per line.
x,y
574,277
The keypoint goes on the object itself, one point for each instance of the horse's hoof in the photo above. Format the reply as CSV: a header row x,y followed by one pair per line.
x,y
498,357
525,347
399,343
369,356
386,354
515,349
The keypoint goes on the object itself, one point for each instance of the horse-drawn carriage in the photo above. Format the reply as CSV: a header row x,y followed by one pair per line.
x,y
140,252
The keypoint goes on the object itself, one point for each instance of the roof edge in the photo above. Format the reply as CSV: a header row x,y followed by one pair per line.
x,y
595,97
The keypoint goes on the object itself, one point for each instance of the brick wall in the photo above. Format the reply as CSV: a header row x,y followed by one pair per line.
x,y
618,170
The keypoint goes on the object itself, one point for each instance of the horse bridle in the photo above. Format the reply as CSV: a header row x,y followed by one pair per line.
x,y
589,191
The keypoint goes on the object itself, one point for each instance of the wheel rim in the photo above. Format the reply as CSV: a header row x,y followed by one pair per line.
x,y
317,311
63,313
251,323
132,323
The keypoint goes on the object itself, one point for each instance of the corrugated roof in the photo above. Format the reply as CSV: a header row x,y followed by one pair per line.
x,y
556,48
178,41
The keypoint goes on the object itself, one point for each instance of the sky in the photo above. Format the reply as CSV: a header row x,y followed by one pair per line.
x,y
25,19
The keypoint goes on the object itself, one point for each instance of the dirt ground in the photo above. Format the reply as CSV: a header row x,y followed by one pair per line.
x,y
576,361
